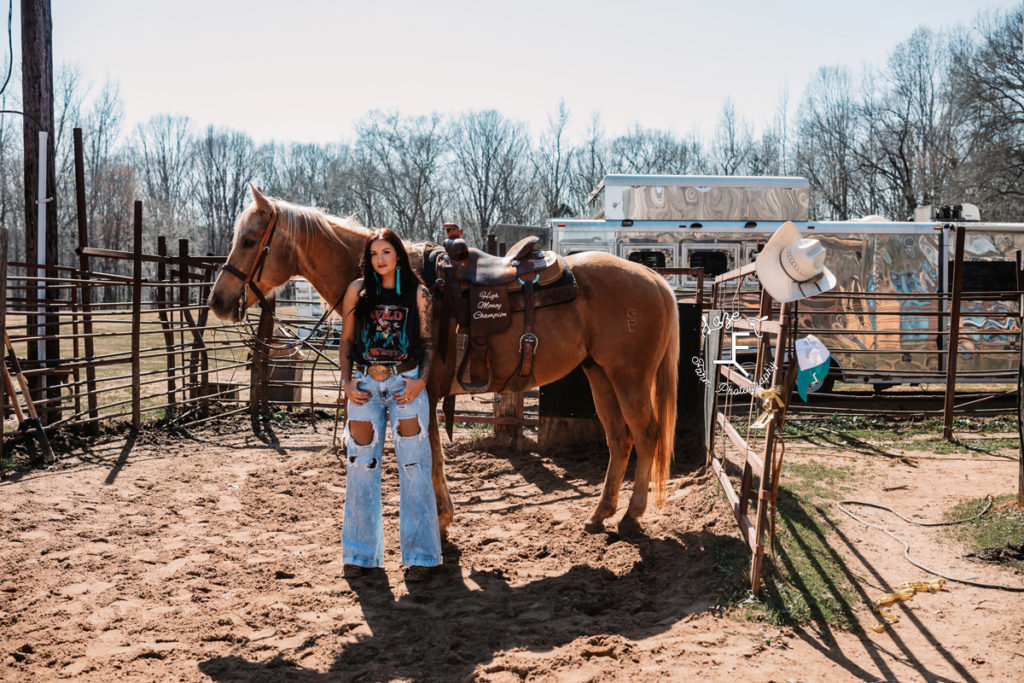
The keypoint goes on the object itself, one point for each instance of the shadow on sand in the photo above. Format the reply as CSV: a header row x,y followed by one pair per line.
x,y
445,628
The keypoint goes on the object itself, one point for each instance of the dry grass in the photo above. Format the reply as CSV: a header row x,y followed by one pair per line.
x,y
112,349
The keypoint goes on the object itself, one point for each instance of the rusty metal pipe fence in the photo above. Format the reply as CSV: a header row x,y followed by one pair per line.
x,y
156,356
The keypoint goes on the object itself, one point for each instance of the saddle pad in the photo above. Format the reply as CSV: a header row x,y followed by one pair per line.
x,y
561,291
489,310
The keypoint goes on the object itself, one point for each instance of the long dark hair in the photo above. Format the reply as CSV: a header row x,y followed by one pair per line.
x,y
408,279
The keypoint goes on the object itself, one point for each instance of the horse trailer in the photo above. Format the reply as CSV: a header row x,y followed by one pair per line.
x,y
886,321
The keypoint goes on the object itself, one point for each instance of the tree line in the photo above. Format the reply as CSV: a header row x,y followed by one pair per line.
x,y
942,122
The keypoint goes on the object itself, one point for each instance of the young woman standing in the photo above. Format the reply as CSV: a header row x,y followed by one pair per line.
x,y
386,349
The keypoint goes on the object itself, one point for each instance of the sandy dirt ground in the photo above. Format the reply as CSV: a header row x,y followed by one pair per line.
x,y
216,556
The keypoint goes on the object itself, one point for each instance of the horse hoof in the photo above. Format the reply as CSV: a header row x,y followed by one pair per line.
x,y
594,526
630,526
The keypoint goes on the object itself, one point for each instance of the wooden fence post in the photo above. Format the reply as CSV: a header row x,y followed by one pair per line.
x,y
37,103
3,323
259,372
86,289
510,403
953,347
188,382
162,304
137,320
1020,382
201,350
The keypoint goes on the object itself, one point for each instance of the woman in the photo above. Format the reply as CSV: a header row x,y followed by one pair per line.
x,y
386,349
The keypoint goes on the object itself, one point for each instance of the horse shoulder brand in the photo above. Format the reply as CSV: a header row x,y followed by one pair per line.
x,y
632,319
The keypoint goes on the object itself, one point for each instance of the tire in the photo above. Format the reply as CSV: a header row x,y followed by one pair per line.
x,y
828,382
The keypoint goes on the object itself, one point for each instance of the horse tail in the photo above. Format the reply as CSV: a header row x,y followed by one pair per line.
x,y
666,387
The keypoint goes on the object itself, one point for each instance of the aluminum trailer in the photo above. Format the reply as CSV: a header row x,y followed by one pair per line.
x,y
886,322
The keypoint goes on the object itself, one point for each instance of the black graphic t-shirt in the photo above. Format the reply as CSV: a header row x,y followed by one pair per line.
x,y
392,332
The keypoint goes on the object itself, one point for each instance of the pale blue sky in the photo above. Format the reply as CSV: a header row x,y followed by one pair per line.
x,y
305,70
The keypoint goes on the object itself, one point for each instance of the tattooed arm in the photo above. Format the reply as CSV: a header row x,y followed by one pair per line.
x,y
414,386
346,344
426,310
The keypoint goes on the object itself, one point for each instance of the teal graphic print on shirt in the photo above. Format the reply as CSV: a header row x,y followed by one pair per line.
x,y
385,338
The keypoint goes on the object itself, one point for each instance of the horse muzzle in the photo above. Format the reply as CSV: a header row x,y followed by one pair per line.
x,y
231,310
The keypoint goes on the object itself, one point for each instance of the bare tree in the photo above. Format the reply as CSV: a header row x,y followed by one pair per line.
x,y
489,157
826,151
225,163
988,83
552,161
163,159
317,175
69,92
364,185
771,153
589,166
646,150
910,141
732,145
406,153
12,204
114,189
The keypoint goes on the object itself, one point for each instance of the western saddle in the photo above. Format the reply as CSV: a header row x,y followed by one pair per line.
x,y
482,291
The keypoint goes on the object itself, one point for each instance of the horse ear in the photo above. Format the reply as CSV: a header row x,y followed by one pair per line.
x,y
262,203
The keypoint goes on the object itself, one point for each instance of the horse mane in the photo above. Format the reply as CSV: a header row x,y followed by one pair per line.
x,y
311,221
302,227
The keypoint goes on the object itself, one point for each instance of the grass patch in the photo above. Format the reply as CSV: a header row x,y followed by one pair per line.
x,y
814,480
807,581
477,431
113,346
987,446
8,464
975,425
859,426
901,434
1001,525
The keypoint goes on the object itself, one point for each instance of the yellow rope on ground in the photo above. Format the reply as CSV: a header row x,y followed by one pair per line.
x,y
903,592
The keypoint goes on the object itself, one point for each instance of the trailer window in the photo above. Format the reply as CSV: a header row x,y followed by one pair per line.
x,y
986,276
648,257
712,261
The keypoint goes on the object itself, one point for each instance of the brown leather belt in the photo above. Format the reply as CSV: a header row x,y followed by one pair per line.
x,y
381,372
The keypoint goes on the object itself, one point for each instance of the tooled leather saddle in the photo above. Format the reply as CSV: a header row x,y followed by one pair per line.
x,y
481,291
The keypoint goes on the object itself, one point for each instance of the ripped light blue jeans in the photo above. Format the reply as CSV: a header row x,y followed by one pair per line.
x,y
362,531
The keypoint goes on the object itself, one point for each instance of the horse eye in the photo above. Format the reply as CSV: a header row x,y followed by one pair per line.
x,y
248,243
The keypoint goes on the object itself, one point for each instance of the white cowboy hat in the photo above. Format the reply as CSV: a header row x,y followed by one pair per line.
x,y
792,268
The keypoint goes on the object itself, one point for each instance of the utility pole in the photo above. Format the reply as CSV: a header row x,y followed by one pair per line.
x,y
37,100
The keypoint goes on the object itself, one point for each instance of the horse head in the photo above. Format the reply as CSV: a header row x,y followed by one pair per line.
x,y
258,262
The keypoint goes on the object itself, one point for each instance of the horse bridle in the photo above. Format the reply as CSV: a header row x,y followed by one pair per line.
x,y
256,269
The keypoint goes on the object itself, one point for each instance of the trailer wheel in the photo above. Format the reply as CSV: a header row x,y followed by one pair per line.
x,y
827,383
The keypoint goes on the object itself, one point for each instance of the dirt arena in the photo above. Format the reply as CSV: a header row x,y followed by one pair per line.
x,y
216,556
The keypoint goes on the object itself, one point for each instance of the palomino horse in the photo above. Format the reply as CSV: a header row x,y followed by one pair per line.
x,y
623,327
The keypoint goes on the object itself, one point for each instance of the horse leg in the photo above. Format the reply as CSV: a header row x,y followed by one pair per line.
x,y
620,444
639,415
445,509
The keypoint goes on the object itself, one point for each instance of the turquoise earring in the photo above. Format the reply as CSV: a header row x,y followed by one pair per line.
x,y
398,280
376,278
